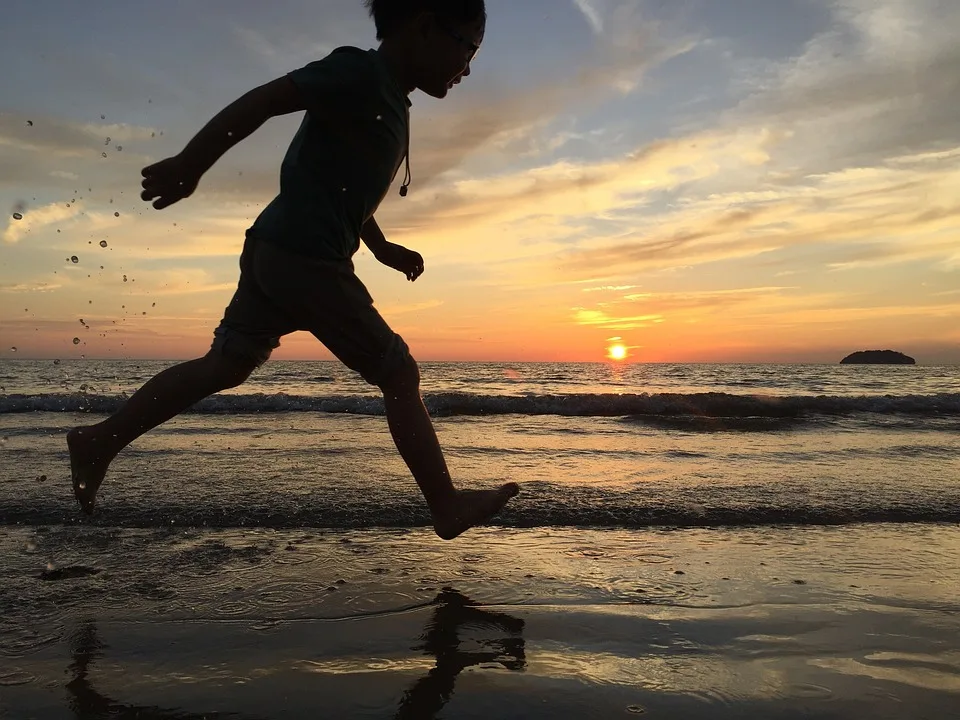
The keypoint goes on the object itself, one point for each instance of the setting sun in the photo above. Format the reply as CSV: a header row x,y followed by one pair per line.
x,y
617,352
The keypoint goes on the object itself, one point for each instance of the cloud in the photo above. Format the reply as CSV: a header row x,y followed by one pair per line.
x,y
280,57
34,219
411,307
591,14
659,307
31,287
66,138
883,79
601,319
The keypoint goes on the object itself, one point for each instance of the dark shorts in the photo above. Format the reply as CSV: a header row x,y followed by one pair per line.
x,y
280,292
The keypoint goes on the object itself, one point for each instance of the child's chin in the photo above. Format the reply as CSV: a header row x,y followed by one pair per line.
x,y
439,91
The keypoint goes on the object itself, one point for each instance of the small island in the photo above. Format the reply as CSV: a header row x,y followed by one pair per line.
x,y
878,357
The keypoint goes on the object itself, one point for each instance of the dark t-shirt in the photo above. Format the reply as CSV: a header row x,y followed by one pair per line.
x,y
343,158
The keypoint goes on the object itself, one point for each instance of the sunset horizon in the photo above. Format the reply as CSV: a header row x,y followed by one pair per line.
x,y
667,177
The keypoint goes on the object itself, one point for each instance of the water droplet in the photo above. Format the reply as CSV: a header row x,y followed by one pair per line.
x,y
153,134
116,214
42,478
17,216
30,123
107,141
82,485
119,148
103,117
103,154
103,243
153,305
56,362
13,349
74,259
76,341
379,117
124,278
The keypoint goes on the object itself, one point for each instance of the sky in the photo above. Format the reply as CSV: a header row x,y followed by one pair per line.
x,y
695,180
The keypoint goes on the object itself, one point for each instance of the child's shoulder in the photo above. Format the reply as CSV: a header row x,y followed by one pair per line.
x,y
345,57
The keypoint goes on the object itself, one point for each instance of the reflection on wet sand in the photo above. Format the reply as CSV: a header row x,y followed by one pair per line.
x,y
442,639
459,635
87,703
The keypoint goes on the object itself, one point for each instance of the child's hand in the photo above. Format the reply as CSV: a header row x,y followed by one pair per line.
x,y
408,262
168,181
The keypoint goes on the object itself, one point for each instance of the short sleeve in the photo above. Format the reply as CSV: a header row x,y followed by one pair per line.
x,y
343,75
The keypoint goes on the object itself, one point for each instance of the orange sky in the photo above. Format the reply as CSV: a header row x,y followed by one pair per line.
x,y
665,180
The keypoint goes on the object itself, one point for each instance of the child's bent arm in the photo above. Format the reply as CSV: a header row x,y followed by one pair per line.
x,y
239,120
372,236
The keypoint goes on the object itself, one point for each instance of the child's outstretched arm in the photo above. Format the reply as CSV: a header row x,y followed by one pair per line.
x,y
176,178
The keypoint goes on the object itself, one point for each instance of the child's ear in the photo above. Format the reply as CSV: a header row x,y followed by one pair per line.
x,y
424,25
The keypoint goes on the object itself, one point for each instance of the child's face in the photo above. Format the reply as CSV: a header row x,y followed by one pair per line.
x,y
446,53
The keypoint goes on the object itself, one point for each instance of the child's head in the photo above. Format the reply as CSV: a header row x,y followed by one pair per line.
x,y
439,37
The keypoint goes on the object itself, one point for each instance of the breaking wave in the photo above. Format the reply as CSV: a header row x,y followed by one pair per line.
x,y
652,405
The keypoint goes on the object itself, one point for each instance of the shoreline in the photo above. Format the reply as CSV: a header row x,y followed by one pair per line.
x,y
778,623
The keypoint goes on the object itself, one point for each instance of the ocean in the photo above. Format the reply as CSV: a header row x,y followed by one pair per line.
x,y
305,444
695,540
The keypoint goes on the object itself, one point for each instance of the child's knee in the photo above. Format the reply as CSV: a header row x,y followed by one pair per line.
x,y
231,370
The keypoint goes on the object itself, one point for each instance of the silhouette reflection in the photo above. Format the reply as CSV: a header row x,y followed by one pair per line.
x,y
459,635
454,612
89,704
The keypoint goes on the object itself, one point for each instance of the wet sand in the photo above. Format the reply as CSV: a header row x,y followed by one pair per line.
x,y
853,622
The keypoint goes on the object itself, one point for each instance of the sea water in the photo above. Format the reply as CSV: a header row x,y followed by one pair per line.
x,y
690,540
306,444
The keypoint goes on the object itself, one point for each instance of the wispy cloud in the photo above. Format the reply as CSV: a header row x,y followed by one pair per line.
x,y
35,219
591,13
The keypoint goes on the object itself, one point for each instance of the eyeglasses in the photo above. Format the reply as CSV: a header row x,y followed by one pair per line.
x,y
471,46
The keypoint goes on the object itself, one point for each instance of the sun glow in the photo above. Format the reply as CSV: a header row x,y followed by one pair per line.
x,y
617,352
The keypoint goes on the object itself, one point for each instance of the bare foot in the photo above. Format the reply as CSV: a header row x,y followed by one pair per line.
x,y
472,507
87,466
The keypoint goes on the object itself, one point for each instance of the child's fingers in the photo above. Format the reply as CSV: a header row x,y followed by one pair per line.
x,y
164,202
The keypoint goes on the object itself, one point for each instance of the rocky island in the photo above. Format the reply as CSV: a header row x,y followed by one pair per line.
x,y
878,357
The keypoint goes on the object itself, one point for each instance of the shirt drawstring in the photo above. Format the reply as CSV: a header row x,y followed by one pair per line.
x,y
407,178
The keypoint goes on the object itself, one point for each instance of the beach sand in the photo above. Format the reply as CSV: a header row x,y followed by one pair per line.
x,y
774,622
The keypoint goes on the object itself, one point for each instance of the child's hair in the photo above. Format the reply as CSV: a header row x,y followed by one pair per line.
x,y
390,15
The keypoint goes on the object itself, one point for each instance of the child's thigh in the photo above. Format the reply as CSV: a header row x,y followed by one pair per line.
x,y
349,325
329,300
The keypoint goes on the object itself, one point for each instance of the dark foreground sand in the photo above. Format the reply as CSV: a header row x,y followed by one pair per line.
x,y
855,622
